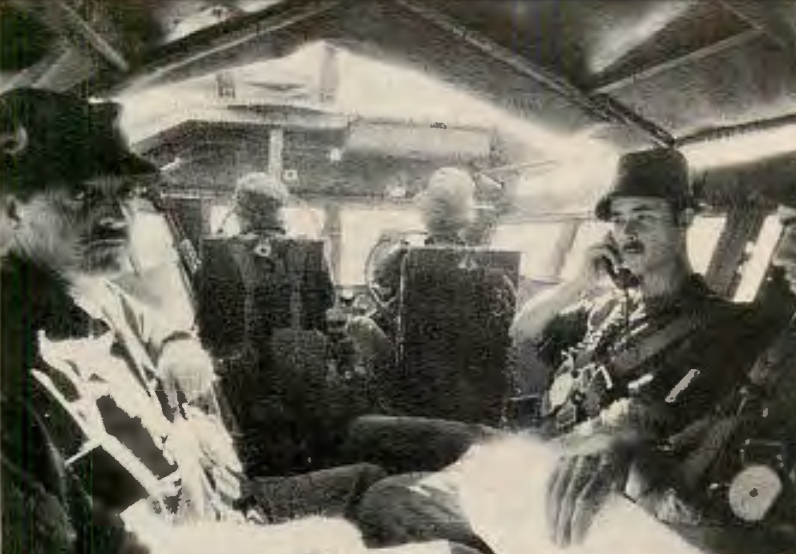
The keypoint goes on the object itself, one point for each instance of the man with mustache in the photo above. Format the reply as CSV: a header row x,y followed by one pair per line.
x,y
68,183
632,367
56,231
85,366
644,362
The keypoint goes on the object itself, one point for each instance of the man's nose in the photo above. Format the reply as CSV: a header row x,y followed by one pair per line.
x,y
114,223
114,215
624,229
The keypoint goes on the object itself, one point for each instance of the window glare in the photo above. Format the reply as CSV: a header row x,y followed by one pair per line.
x,y
304,221
589,233
536,241
361,229
223,221
160,278
702,240
754,270
151,240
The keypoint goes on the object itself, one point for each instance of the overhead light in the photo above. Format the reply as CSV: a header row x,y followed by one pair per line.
x,y
741,148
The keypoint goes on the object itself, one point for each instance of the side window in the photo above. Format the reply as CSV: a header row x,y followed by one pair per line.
x,y
758,259
151,239
703,237
156,277
305,221
589,232
223,220
538,242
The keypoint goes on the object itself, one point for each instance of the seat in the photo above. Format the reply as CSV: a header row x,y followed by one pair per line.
x,y
455,308
244,287
262,305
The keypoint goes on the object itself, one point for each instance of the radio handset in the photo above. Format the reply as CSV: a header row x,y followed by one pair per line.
x,y
621,276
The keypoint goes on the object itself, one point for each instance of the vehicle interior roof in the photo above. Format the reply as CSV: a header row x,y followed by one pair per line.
x,y
669,72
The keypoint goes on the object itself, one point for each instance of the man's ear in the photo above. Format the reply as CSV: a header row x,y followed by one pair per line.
x,y
12,209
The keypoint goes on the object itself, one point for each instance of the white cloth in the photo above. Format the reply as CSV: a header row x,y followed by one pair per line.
x,y
305,536
501,487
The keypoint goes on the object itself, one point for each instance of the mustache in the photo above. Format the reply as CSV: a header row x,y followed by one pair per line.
x,y
104,233
632,246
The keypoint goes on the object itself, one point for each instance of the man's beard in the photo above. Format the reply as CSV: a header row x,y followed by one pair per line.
x,y
104,260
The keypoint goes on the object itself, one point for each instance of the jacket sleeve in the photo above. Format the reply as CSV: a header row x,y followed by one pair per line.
x,y
563,332
44,508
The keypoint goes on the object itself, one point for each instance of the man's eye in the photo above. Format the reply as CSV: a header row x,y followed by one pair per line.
x,y
134,191
650,217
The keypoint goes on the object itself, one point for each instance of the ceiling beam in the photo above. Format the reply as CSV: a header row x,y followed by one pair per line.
x,y
210,49
29,76
607,111
65,21
83,36
699,54
287,116
729,131
775,18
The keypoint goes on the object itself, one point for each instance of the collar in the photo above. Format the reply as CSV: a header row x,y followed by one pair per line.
x,y
36,297
33,298
91,294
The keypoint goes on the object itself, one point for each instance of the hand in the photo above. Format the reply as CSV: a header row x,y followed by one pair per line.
x,y
185,366
625,423
577,490
593,267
